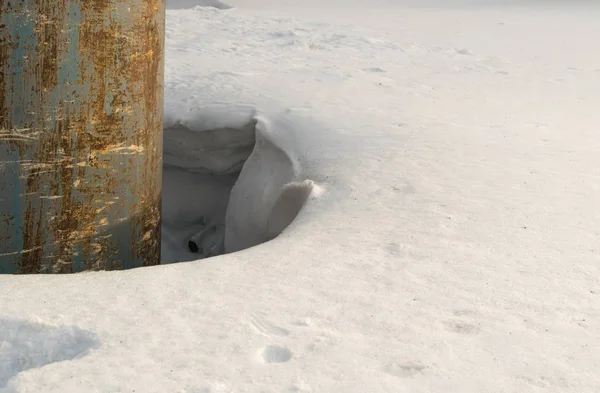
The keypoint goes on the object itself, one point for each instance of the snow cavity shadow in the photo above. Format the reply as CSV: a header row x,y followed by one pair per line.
x,y
26,345
227,185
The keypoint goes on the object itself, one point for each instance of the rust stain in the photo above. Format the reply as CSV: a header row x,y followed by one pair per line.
x,y
32,239
149,29
91,140
7,45
49,16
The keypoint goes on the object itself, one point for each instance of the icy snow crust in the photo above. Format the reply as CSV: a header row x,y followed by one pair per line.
x,y
452,245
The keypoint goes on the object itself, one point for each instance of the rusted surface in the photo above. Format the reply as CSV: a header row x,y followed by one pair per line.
x,y
80,134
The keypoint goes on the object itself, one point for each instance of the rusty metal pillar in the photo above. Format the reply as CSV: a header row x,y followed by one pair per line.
x,y
81,106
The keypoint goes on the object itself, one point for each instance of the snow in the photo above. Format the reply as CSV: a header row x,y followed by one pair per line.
x,y
31,344
186,4
449,242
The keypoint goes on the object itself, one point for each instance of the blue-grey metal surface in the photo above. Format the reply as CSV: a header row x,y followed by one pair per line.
x,y
81,106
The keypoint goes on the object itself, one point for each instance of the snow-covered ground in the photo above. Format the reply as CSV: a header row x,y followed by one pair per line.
x,y
450,243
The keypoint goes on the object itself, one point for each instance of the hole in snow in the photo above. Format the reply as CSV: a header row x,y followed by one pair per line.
x,y
227,185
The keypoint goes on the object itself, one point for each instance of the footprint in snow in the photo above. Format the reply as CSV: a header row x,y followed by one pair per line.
x,y
195,390
374,69
280,353
262,325
405,370
306,322
275,354
464,52
270,353
462,327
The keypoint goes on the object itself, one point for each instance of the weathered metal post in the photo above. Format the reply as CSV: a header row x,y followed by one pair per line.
x,y
81,107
